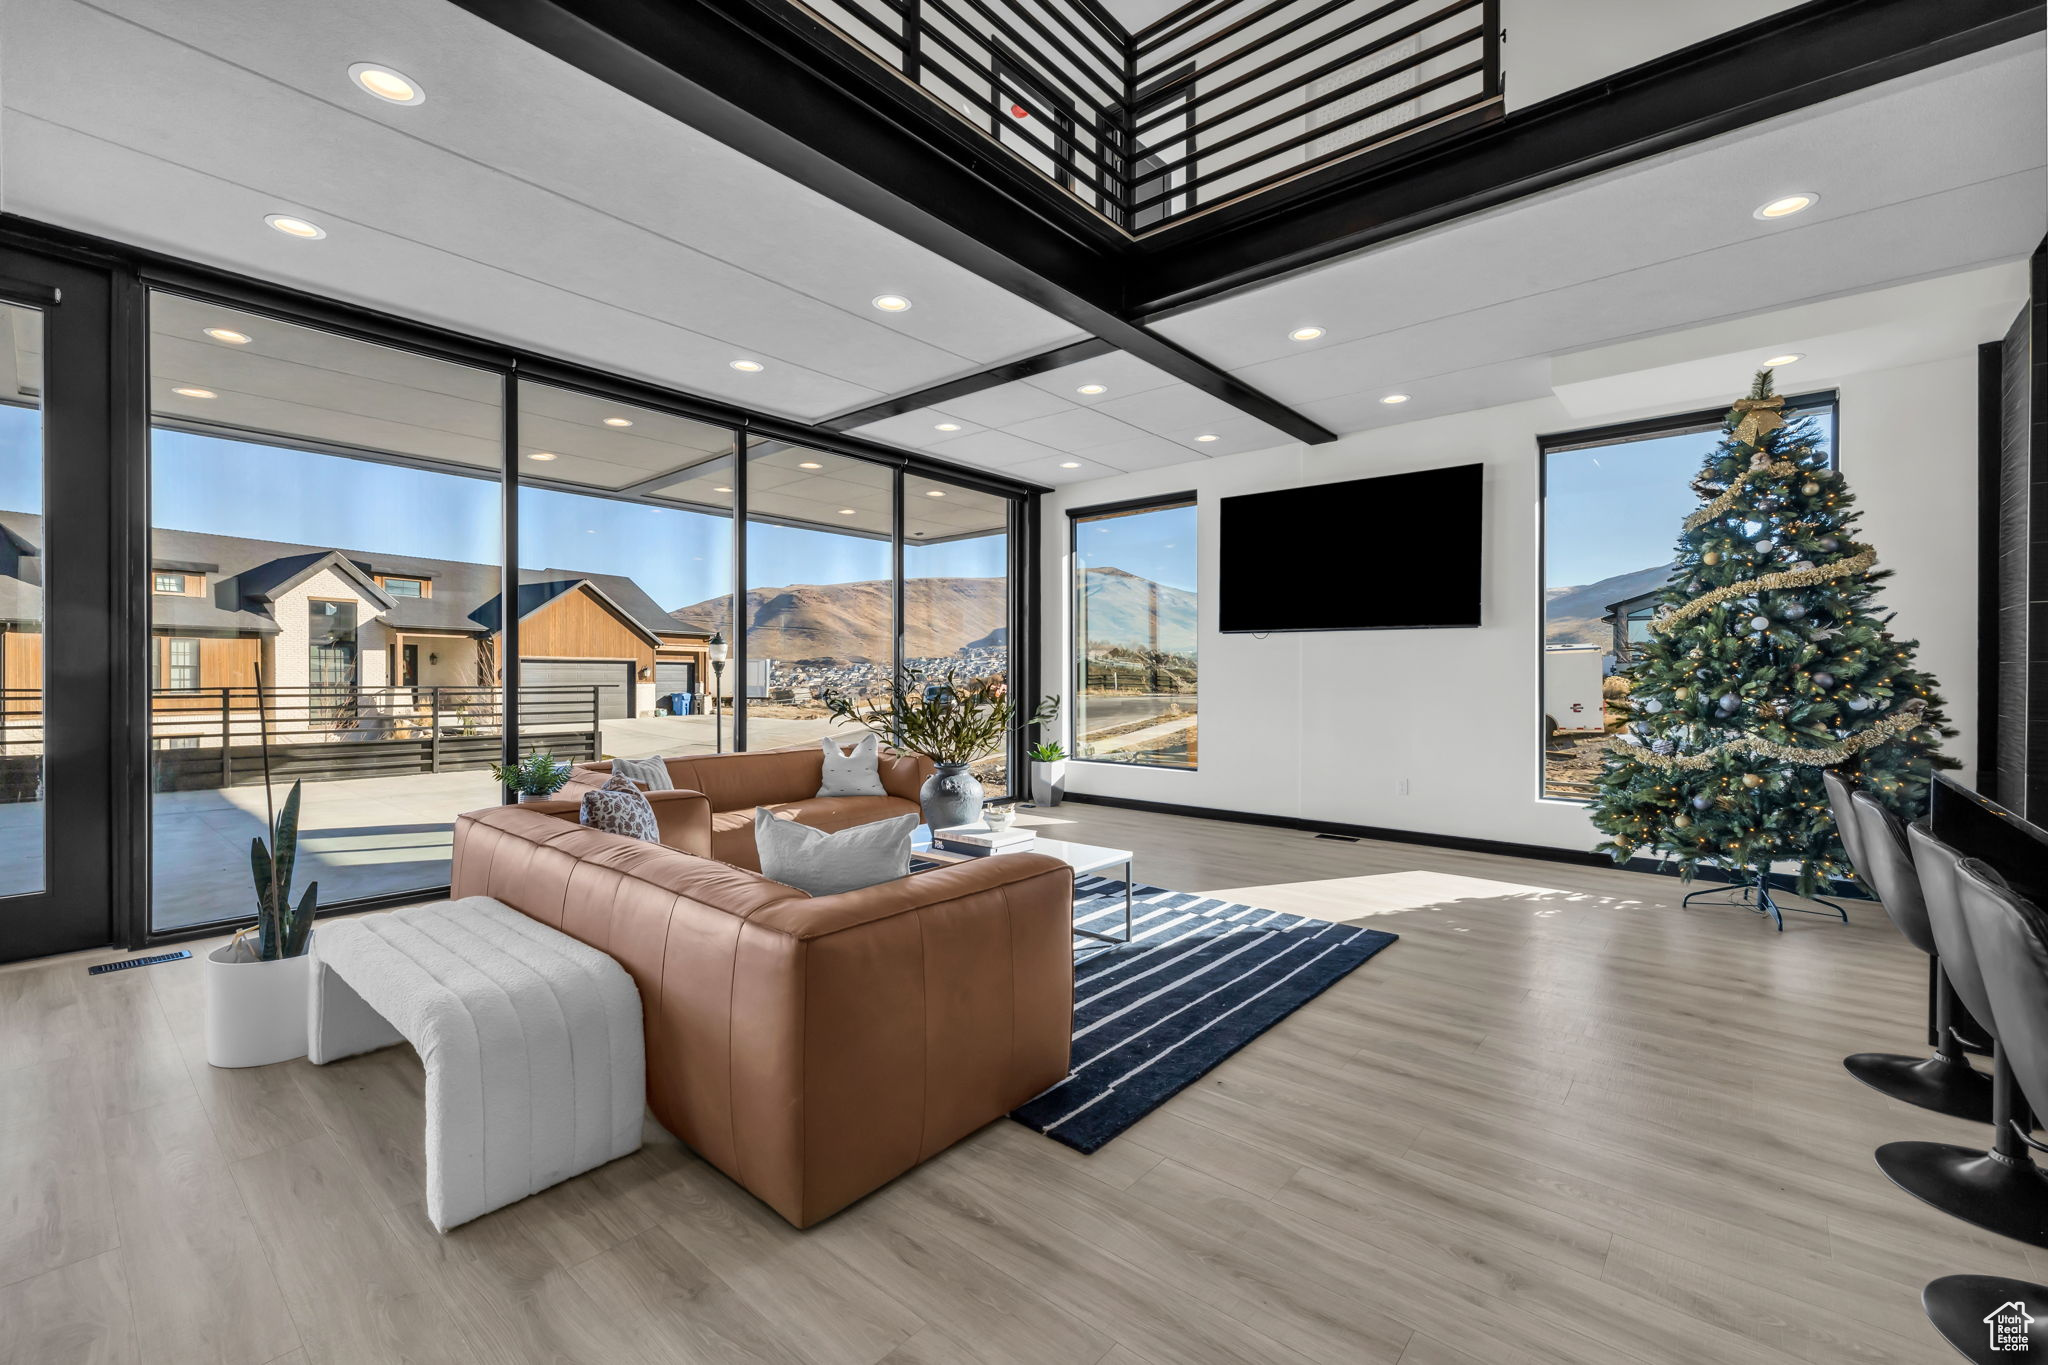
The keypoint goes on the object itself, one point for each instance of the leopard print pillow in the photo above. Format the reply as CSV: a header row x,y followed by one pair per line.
x,y
618,807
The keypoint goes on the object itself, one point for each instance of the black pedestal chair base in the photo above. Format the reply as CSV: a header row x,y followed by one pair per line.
x,y
1990,1318
1999,1195
1947,1087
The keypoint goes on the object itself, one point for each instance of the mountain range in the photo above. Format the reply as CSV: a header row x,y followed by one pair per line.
x,y
849,622
1578,615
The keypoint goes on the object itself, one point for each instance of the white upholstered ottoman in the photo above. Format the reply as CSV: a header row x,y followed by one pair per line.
x,y
536,1066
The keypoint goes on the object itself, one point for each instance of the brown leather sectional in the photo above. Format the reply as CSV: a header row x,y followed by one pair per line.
x,y
812,1048
784,780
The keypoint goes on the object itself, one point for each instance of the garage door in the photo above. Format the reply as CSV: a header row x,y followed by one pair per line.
x,y
676,677
612,677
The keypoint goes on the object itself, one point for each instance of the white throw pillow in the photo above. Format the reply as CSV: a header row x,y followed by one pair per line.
x,y
650,773
825,864
852,772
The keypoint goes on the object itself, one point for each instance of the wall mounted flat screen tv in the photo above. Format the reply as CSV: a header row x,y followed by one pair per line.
x,y
1400,552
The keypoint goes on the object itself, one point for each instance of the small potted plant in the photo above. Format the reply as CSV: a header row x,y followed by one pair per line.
x,y
256,990
948,719
1048,773
536,777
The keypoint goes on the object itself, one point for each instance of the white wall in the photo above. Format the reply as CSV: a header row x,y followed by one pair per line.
x,y
1323,726
1557,45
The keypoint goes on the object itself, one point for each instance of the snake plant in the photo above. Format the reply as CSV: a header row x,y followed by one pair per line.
x,y
281,927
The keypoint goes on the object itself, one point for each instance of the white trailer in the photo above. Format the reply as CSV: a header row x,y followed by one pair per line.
x,y
1571,687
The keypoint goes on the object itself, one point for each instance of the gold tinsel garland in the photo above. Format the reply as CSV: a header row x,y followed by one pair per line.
x,y
1788,578
1727,499
1898,723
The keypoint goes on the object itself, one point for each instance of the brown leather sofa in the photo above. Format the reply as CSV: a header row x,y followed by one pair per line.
x,y
784,780
812,1048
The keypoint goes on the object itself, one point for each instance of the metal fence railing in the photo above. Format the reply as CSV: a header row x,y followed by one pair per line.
x,y
1213,101
213,737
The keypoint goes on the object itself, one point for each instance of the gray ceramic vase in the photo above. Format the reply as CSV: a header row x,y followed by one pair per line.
x,y
950,796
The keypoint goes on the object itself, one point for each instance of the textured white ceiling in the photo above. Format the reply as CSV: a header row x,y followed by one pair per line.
x,y
527,203
523,201
1932,174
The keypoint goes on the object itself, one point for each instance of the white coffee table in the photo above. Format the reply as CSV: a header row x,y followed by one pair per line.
x,y
1083,858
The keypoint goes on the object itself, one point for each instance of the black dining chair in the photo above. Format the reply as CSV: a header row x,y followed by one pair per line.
x,y
1945,1082
1986,1317
2001,1189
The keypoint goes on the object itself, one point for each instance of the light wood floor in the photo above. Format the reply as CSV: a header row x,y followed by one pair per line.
x,y
1560,1122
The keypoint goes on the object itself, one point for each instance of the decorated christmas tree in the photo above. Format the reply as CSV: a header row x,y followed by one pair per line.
x,y
1767,661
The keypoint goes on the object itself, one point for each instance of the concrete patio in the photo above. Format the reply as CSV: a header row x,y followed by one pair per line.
x,y
358,838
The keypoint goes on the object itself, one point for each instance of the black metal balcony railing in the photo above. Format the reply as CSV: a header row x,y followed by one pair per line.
x,y
1218,100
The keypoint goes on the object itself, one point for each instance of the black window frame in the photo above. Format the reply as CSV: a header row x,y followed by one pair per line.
x,y
1694,422
124,662
1077,667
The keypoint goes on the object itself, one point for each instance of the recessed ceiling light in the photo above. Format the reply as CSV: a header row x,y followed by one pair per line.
x,y
191,391
1395,398
618,421
543,455
1785,359
846,511
1070,464
892,303
809,464
947,426
721,489
748,366
1091,388
295,227
1206,436
229,335
1304,334
933,493
387,84
1786,205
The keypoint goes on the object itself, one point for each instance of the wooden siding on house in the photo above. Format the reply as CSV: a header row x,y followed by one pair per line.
x,y
224,661
21,670
579,625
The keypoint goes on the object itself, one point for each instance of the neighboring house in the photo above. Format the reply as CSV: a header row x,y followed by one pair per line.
x,y
376,633
1629,620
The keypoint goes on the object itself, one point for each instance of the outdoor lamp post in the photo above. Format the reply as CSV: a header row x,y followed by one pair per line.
x,y
717,692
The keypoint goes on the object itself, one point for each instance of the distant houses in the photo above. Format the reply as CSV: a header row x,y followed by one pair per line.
x,y
335,623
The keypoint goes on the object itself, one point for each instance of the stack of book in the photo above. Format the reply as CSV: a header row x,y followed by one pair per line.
x,y
979,841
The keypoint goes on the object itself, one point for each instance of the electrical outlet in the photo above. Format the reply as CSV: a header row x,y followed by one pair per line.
x,y
1400,786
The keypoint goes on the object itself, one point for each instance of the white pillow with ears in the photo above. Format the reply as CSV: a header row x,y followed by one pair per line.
x,y
852,772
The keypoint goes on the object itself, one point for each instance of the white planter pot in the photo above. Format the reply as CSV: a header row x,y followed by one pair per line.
x,y
1048,782
255,1011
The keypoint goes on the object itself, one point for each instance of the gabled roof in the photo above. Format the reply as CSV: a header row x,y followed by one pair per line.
x,y
535,595
269,581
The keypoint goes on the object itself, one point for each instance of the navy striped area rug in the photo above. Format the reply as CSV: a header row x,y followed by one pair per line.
x,y
1200,978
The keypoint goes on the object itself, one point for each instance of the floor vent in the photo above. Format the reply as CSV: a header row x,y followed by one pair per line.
x,y
1339,838
126,963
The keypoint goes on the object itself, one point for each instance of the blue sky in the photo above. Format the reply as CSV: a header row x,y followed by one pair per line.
x,y
238,488
1155,545
1614,509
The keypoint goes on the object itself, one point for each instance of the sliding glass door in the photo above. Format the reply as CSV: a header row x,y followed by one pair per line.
x,y
324,606
57,696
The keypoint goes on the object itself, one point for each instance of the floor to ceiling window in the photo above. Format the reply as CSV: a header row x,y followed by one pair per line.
x,y
22,825
956,591
1134,635
325,525
1613,500
819,612
625,525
